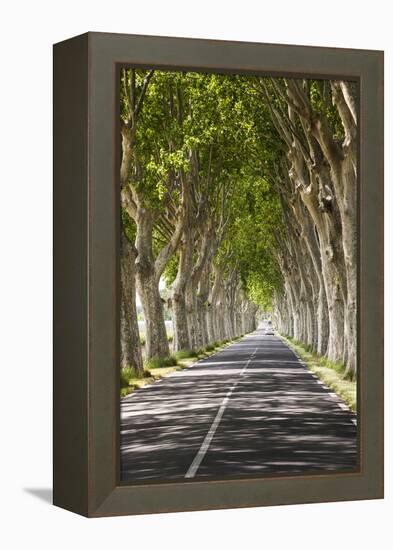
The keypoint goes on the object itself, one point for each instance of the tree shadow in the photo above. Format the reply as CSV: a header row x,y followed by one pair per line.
x,y
277,421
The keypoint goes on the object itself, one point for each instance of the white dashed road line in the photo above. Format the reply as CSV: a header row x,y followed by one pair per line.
x,y
192,470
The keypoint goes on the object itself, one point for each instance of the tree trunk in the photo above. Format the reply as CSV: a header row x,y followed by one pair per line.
x,y
332,272
196,293
191,310
153,309
210,324
181,340
202,305
148,289
214,308
320,304
130,346
348,208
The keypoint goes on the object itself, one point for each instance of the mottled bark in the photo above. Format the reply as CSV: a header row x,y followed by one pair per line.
x,y
181,340
214,309
148,288
130,347
195,303
341,159
323,212
203,304
152,304
319,297
345,179
248,316
333,280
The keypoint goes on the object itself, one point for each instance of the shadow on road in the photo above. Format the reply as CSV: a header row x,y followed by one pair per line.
x,y
278,420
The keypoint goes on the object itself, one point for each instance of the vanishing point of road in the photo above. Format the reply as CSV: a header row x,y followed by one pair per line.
x,y
253,409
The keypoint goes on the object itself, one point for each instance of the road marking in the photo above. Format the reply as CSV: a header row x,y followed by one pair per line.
x,y
343,406
192,470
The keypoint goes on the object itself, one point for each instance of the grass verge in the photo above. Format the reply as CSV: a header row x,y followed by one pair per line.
x,y
330,373
156,368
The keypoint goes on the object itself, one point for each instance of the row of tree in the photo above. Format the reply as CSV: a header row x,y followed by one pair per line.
x,y
239,193
316,181
181,170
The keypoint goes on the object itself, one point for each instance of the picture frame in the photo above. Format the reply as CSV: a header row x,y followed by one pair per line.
x,y
86,273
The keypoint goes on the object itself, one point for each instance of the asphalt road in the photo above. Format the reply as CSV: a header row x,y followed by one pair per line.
x,y
251,410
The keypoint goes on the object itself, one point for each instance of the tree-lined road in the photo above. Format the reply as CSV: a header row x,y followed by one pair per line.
x,y
251,409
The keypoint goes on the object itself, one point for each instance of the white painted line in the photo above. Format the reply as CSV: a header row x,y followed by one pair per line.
x,y
343,407
206,442
192,470
334,396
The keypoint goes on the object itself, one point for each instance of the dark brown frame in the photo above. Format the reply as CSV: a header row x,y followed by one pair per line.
x,y
86,230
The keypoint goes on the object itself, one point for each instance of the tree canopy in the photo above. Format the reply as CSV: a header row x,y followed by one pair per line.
x,y
239,191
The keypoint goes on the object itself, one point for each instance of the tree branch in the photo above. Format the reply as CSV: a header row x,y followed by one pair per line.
x,y
143,92
168,250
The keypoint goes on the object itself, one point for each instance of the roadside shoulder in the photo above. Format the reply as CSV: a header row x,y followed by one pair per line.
x,y
156,374
329,373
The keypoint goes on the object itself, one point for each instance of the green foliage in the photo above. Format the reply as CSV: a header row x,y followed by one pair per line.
x,y
171,270
185,354
124,392
157,363
147,378
154,363
127,374
170,361
129,226
250,241
216,133
321,101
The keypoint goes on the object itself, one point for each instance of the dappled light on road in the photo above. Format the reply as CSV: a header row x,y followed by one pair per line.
x,y
278,420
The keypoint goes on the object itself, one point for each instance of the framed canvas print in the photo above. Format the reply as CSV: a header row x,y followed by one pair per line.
x,y
218,274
